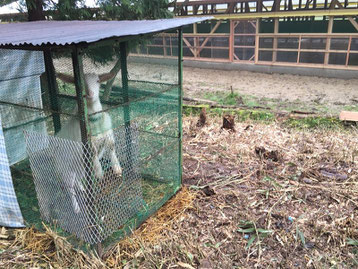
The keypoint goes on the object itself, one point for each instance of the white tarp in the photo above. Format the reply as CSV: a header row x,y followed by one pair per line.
x,y
20,84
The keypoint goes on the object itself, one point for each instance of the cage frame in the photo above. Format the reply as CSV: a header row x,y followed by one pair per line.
x,y
78,72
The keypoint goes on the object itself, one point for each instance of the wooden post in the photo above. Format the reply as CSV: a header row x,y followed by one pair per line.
x,y
164,46
195,31
328,40
52,90
348,50
299,49
257,41
275,31
231,41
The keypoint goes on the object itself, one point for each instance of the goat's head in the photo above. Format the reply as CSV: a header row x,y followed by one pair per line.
x,y
92,83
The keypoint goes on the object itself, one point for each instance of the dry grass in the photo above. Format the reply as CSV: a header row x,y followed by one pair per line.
x,y
31,248
299,184
152,231
295,190
28,248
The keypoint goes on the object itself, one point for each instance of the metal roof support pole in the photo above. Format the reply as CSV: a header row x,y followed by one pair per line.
x,y
52,89
127,120
180,101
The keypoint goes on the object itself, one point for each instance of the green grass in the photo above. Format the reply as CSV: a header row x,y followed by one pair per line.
x,y
314,122
223,98
241,114
263,116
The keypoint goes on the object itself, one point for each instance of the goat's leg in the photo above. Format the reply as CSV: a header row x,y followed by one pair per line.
x,y
116,167
71,188
97,167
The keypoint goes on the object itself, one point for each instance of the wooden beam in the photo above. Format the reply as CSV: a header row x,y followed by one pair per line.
x,y
189,45
348,50
283,14
196,40
257,41
259,6
231,41
335,3
207,39
348,116
275,31
328,40
299,49
353,22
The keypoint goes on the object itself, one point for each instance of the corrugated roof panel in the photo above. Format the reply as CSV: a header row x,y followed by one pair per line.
x,y
63,33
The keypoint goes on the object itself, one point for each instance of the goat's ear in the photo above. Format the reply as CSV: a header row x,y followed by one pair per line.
x,y
66,78
106,76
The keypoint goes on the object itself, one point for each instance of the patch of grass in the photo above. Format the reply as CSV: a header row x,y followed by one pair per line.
x,y
314,122
264,116
350,108
223,98
241,114
252,232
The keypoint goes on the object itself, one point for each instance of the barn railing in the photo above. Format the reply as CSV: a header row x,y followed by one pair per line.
x,y
336,50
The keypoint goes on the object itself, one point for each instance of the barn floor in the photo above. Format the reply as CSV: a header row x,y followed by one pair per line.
x,y
267,196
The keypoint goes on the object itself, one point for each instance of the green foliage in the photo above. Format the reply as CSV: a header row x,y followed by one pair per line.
x,y
72,10
301,236
352,242
249,228
134,9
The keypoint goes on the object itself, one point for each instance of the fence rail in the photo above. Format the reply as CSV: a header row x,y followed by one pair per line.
x,y
324,50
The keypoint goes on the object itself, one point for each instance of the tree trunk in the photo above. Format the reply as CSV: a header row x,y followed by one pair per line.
x,y
35,10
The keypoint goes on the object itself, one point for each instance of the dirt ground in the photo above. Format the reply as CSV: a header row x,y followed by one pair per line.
x,y
278,91
278,86
266,196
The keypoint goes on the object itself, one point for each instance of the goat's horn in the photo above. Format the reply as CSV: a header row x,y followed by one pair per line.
x,y
65,78
106,76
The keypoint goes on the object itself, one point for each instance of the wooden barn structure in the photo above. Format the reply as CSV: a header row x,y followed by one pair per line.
x,y
295,33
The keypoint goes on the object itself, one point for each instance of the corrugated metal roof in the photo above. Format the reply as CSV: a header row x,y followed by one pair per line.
x,y
62,33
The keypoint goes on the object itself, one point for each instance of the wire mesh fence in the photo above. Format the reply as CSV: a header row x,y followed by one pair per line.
x,y
129,163
78,186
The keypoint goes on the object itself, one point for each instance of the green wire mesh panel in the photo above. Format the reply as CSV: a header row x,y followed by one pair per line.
x,y
130,165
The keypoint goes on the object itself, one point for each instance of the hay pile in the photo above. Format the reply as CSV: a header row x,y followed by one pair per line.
x,y
31,248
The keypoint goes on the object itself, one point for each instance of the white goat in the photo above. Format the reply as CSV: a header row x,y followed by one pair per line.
x,y
102,138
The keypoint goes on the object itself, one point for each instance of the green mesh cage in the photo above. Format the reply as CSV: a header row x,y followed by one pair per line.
x,y
98,147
